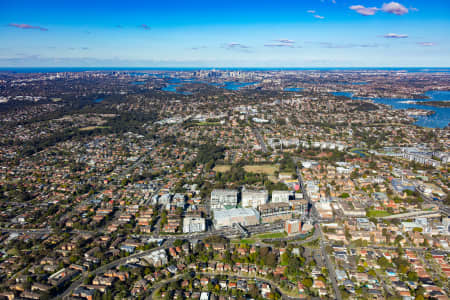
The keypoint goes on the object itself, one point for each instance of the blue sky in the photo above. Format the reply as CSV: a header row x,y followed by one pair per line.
x,y
246,33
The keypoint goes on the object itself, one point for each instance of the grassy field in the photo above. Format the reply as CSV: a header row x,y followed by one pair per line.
x,y
264,169
208,123
222,168
274,179
92,128
259,169
356,149
244,241
377,213
270,235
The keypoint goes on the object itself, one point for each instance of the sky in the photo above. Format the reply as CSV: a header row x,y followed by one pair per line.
x,y
246,33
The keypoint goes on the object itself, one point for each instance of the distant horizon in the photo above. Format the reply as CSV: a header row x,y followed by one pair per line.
x,y
162,68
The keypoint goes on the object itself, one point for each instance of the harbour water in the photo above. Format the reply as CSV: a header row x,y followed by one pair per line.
x,y
235,86
173,88
439,119
293,89
231,85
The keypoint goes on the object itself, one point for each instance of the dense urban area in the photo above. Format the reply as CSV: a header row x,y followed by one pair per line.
x,y
223,184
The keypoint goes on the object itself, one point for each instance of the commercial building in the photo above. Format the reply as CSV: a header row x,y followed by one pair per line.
x,y
254,199
228,217
299,206
191,224
281,196
221,199
272,212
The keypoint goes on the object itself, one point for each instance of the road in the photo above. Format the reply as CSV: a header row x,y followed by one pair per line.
x,y
25,230
260,139
416,249
313,216
292,239
330,265
305,194
413,214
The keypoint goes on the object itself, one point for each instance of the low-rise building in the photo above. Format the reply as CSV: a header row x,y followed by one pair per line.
x,y
157,258
351,209
192,224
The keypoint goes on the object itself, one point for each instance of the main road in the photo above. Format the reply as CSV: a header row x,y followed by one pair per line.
x,y
260,139
330,265
312,215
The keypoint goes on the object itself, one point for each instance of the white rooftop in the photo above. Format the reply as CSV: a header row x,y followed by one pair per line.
x,y
235,212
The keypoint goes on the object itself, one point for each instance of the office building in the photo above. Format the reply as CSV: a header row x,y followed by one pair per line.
x,y
281,196
254,199
221,199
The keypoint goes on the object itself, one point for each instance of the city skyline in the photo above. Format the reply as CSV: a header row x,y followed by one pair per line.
x,y
319,33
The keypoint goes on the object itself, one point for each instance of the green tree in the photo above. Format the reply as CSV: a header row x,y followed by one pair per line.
x,y
307,282
412,276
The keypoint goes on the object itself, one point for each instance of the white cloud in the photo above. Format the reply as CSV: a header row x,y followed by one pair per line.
x,y
343,46
319,17
311,11
426,44
27,26
394,8
285,41
198,48
236,45
279,45
395,36
365,11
